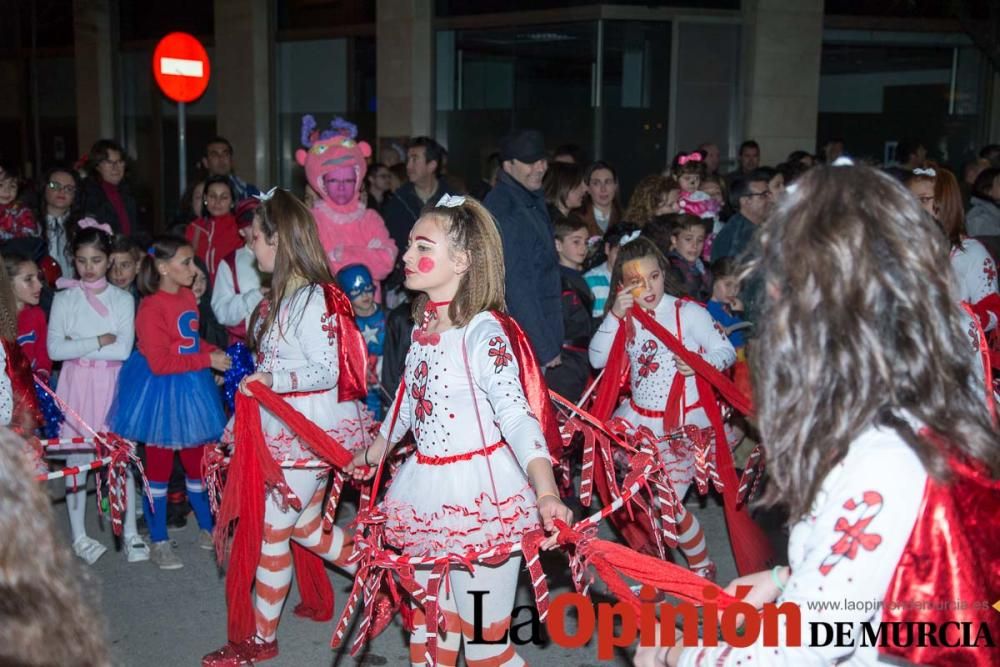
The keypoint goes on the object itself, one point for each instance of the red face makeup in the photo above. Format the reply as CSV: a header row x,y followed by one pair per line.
x,y
425,265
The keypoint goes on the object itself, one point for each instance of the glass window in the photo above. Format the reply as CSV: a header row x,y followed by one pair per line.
x,y
489,81
635,101
875,94
708,76
325,78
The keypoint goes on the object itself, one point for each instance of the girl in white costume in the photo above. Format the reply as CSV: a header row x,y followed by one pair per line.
x,y
481,475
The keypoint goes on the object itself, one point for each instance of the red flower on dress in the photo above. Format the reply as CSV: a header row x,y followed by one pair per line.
x,y
647,365
501,357
418,392
989,269
330,327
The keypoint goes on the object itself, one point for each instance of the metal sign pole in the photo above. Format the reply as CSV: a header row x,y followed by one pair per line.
x,y
181,147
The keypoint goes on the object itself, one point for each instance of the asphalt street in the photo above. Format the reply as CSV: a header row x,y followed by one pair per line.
x,y
165,618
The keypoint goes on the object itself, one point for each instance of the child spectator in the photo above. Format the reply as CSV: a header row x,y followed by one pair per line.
x,y
598,279
725,305
357,283
32,328
209,327
688,169
688,241
171,402
91,330
16,219
57,213
214,235
238,288
125,257
570,377
726,308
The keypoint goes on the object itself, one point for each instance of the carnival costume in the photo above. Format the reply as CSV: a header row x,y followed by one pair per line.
x,y
475,402
350,232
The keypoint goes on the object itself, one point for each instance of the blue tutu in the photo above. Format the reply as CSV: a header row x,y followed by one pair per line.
x,y
177,410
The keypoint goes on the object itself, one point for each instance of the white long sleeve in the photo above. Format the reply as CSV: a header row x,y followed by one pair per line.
x,y
600,343
231,307
845,551
496,372
74,326
307,360
6,392
402,423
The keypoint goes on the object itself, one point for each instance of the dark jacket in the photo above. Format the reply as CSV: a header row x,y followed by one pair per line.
x,y
734,237
534,285
398,327
569,379
401,211
97,205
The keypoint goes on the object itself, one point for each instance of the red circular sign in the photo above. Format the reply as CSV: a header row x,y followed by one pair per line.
x,y
180,66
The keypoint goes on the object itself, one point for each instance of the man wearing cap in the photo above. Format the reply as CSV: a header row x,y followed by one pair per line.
x,y
533,280
237,289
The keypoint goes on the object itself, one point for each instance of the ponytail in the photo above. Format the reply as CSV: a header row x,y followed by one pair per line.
x,y
163,250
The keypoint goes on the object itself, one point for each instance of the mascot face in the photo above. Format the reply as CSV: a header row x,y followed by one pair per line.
x,y
341,185
335,167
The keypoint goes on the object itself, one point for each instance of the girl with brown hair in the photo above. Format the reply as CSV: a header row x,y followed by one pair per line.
x,y
662,394
481,475
939,195
863,367
652,197
310,352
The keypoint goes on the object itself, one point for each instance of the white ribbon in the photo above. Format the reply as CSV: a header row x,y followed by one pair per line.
x,y
266,196
451,201
628,238
925,172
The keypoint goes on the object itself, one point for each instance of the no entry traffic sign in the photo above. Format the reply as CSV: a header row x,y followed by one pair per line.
x,y
180,67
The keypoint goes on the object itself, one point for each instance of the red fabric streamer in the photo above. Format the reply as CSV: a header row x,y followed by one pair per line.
x,y
948,558
750,546
251,471
26,415
533,382
751,549
612,560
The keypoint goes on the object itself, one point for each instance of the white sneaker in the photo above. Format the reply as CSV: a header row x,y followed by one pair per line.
x,y
136,549
162,555
205,540
88,549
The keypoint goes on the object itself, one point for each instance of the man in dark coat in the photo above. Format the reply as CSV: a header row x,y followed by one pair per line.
x,y
534,284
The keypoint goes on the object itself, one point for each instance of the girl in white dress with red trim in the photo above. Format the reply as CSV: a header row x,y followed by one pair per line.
x,y
656,402
481,475
308,351
877,439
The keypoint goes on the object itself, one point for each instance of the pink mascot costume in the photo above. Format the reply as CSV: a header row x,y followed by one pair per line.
x,y
335,168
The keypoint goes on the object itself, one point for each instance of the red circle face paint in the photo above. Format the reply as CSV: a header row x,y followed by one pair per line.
x,y
425,265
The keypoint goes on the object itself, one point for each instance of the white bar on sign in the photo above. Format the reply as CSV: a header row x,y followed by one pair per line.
x,y
182,67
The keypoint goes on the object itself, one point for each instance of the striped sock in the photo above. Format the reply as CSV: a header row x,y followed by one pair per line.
x,y
199,502
156,516
691,540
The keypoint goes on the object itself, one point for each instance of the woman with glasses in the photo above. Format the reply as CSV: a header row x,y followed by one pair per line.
x,y
57,214
106,195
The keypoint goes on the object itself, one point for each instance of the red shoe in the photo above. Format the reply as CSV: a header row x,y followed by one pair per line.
x,y
706,571
246,652
385,611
